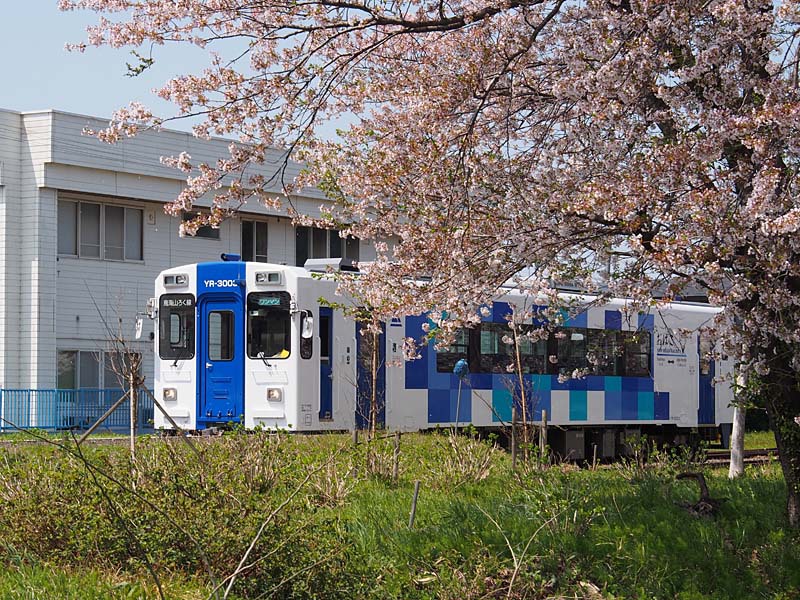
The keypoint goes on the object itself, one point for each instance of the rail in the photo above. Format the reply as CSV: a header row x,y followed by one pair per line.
x,y
758,455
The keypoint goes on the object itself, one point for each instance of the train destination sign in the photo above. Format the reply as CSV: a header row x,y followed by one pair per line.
x,y
185,302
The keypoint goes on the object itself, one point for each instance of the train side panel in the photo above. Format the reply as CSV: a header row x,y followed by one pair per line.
x,y
666,391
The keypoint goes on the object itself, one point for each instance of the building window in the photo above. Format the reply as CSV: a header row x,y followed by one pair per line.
x,y
66,378
206,231
89,230
254,241
68,228
312,242
81,369
92,230
117,367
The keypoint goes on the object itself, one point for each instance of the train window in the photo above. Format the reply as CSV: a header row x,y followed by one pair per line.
x,y
705,348
324,338
600,351
446,357
637,353
572,345
605,352
306,343
176,327
221,334
269,325
533,354
495,349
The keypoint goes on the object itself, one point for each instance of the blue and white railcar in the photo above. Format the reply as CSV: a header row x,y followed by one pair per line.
x,y
249,343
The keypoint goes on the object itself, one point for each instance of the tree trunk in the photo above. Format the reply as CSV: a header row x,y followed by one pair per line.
x,y
737,443
782,399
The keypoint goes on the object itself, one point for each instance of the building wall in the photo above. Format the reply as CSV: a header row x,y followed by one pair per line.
x,y
51,302
10,133
36,234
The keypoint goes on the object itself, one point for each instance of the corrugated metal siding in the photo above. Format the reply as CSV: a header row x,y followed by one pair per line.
x,y
50,302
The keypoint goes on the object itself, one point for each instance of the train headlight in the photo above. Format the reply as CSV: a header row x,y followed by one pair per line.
x,y
173,280
274,394
273,277
170,394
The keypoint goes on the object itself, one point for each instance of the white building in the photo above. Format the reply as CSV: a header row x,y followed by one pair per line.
x,y
83,234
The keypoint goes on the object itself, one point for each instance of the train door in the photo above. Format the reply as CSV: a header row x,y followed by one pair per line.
x,y
221,350
706,405
325,364
364,374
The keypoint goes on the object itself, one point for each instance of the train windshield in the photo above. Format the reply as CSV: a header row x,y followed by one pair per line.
x,y
176,326
269,325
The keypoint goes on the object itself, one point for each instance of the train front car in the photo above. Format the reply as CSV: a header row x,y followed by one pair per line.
x,y
281,353
230,338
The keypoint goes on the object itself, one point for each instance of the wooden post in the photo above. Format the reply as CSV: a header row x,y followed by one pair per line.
x,y
594,456
103,418
355,437
396,465
413,506
133,398
514,437
458,403
543,436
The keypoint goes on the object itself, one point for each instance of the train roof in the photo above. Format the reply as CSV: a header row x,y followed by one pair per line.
x,y
573,293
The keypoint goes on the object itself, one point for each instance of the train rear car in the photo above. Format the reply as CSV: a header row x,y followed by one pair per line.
x,y
637,373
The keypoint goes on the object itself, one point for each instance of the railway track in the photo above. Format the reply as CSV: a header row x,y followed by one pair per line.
x,y
713,457
754,456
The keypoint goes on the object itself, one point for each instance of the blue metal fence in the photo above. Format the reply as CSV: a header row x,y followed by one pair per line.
x,y
70,409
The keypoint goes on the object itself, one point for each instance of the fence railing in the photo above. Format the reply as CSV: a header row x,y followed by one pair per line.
x,y
54,409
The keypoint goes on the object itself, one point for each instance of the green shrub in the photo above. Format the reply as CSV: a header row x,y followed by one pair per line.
x,y
480,530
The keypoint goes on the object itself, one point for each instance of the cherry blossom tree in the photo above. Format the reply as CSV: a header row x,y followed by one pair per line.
x,y
489,139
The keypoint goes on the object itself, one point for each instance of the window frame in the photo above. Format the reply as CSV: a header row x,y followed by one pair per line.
x,y
226,342
306,344
347,246
100,356
191,344
253,226
283,303
102,237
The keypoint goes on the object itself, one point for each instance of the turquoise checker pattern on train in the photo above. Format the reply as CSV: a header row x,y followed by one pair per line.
x,y
624,398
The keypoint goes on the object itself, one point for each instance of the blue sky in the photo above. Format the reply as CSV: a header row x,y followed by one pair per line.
x,y
36,72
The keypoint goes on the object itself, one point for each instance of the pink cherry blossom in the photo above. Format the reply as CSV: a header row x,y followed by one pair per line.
x,y
520,142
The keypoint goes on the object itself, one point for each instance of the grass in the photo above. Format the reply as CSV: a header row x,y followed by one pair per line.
x,y
481,530
44,582
754,440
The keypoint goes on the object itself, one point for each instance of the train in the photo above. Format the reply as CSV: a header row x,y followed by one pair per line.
x,y
256,344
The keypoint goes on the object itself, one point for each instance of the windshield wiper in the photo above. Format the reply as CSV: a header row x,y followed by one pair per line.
x,y
181,355
263,358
